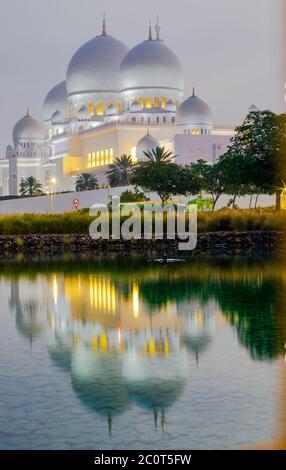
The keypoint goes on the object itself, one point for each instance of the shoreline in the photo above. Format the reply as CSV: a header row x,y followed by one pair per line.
x,y
232,243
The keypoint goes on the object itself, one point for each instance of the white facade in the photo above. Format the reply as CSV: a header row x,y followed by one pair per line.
x,y
112,102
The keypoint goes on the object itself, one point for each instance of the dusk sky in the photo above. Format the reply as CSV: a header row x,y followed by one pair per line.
x,y
231,50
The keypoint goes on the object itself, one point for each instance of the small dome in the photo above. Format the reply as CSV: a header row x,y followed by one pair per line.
x,y
135,107
147,143
194,112
28,129
170,107
253,109
151,64
95,67
83,114
111,111
57,118
56,100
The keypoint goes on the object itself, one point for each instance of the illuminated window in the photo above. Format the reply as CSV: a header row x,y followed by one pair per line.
x,y
110,155
164,102
156,102
141,102
89,160
93,159
97,159
91,108
102,157
148,102
195,131
99,109
106,157
108,104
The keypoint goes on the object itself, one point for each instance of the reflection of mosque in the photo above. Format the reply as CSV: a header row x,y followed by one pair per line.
x,y
131,339
118,348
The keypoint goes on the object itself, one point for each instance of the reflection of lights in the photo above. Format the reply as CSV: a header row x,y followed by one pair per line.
x,y
198,316
119,336
102,294
136,300
55,290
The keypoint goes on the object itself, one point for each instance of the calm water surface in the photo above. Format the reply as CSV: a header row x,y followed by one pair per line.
x,y
106,354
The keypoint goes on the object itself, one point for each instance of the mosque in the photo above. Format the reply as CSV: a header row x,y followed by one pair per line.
x,y
114,101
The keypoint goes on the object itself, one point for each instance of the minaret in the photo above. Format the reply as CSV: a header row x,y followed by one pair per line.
x,y
157,29
150,32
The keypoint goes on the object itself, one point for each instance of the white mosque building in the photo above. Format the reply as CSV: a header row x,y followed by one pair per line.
x,y
114,101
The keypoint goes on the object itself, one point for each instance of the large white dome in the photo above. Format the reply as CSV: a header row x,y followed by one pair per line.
x,y
28,130
95,67
194,114
56,100
146,144
152,65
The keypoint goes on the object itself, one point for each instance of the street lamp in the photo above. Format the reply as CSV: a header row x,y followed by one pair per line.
x,y
53,182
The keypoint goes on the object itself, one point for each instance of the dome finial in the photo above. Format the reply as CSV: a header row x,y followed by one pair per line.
x,y
150,31
194,92
104,25
158,29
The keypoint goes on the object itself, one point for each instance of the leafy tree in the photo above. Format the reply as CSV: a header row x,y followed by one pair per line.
x,y
85,182
119,173
211,178
159,155
260,143
164,179
133,196
30,187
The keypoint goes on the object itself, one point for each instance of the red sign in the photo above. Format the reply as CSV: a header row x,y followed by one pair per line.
x,y
75,203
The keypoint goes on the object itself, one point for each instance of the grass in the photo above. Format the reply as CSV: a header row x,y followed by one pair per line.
x,y
78,222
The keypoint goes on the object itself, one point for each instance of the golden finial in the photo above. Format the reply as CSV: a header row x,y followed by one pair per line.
x,y
104,25
150,31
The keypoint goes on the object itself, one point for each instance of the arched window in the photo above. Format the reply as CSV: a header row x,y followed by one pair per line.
x,y
142,120
141,102
156,102
148,102
110,155
164,102
149,120
97,159
157,120
99,109
173,120
164,119
106,157
91,108
118,106
102,157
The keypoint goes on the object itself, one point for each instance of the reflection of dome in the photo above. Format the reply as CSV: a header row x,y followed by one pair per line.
x,y
28,129
95,67
60,354
155,382
97,380
147,143
195,115
56,100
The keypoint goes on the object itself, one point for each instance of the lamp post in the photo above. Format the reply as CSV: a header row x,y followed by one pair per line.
x,y
53,182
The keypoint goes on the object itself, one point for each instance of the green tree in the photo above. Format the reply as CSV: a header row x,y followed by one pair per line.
x,y
133,196
164,179
30,187
159,155
119,173
211,179
260,143
85,182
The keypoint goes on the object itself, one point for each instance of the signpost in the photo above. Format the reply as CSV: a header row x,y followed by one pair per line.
x,y
75,204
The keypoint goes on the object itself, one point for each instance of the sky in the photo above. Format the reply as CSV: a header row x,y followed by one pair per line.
x,y
231,50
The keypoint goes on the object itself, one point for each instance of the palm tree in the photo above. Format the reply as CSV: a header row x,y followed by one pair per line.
x,y
159,155
30,187
85,182
119,173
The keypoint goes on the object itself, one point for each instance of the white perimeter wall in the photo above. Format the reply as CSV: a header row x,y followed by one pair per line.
x,y
63,202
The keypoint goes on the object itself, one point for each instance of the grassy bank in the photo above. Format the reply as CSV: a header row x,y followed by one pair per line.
x,y
228,220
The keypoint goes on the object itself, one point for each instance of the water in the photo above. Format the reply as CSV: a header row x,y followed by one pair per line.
x,y
120,354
